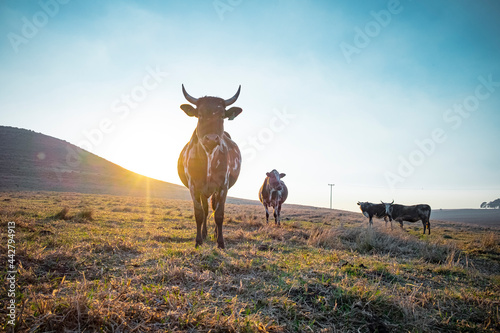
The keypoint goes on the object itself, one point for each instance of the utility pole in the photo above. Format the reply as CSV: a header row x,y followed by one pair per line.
x,y
331,190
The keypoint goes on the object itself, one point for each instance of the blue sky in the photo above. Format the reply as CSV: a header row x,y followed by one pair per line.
x,y
385,99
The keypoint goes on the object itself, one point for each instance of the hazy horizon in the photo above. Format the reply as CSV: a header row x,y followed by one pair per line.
x,y
386,100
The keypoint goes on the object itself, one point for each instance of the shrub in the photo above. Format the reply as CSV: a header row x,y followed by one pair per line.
x,y
86,214
63,214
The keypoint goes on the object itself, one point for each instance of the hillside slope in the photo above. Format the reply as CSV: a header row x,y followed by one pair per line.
x,y
34,161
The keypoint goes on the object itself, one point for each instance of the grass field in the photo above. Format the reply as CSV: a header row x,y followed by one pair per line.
x,y
98,263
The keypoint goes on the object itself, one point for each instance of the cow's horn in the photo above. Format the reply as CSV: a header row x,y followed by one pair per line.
x,y
392,201
234,98
189,98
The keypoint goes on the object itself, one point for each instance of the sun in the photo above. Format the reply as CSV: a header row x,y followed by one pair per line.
x,y
149,143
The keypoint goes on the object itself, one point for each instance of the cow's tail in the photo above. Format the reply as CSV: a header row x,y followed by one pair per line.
x,y
429,213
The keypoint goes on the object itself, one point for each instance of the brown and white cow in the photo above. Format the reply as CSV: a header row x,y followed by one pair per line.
x,y
372,210
210,162
273,193
413,213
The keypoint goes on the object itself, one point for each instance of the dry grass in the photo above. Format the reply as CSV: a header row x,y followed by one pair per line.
x,y
90,263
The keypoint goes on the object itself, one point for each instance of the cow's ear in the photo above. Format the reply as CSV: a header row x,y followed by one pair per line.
x,y
189,109
282,175
232,113
359,203
268,174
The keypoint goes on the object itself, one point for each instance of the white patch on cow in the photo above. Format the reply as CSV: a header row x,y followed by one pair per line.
x,y
388,208
236,164
226,177
210,158
185,164
366,214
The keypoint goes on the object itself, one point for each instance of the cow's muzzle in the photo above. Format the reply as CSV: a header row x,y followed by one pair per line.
x,y
210,141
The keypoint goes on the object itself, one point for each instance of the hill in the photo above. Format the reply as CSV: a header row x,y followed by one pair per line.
x,y
37,162
31,161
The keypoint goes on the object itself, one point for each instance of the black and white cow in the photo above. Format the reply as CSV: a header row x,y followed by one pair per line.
x,y
273,193
413,213
372,210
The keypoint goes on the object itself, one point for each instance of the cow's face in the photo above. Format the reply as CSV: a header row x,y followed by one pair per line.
x,y
362,205
388,207
211,112
275,179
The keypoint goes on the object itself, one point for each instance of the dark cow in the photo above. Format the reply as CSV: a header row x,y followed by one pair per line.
x,y
210,162
414,213
372,210
273,193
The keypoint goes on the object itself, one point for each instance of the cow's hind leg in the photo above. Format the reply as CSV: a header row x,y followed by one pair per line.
x,y
218,203
426,224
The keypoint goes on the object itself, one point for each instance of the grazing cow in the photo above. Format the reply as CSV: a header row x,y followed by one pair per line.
x,y
273,193
371,210
210,162
414,213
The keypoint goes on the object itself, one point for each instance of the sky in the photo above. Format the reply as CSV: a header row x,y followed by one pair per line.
x,y
388,100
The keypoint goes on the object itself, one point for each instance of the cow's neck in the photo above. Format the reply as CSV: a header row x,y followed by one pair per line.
x,y
215,161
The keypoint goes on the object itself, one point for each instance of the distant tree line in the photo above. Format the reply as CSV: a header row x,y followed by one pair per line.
x,y
492,204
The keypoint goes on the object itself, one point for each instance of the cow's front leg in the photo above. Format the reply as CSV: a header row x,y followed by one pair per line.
x,y
267,213
278,218
385,219
218,203
204,202
200,215
276,207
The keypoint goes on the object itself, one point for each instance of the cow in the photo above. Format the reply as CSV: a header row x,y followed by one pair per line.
x,y
414,213
371,210
210,162
273,193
